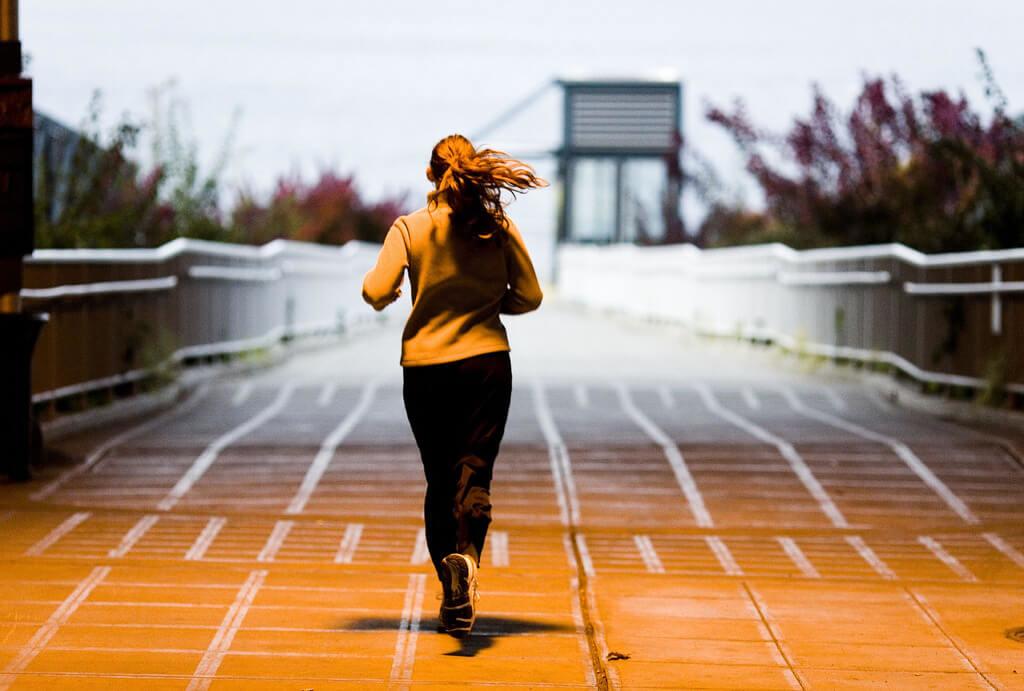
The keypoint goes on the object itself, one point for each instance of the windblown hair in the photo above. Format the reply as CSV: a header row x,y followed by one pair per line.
x,y
471,182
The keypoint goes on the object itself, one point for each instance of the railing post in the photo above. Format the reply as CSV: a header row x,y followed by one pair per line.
x,y
997,301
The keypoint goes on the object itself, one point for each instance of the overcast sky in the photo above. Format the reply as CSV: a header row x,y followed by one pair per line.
x,y
370,86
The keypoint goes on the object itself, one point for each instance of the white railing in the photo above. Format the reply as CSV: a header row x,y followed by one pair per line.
x,y
945,318
116,315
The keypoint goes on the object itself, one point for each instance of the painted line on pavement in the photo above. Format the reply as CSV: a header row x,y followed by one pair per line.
x,y
328,448
275,540
1014,455
66,526
92,460
327,394
869,555
590,636
750,398
675,459
921,605
209,455
49,629
242,394
834,399
579,623
797,556
198,549
136,533
899,448
785,449
349,543
585,561
648,554
666,397
498,547
1008,550
943,555
420,552
408,631
206,670
724,555
780,651
558,455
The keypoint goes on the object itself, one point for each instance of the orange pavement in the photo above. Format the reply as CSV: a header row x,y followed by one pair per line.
x,y
722,532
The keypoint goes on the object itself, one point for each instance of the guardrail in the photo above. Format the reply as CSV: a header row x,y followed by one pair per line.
x,y
118,315
952,319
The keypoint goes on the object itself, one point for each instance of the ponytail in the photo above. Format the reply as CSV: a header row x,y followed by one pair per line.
x,y
471,181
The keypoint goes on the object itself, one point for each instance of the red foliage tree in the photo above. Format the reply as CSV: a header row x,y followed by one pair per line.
x,y
928,171
330,210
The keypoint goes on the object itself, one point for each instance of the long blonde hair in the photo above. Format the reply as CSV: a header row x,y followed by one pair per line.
x,y
471,182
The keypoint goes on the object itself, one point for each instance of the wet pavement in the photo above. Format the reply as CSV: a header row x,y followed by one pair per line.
x,y
668,514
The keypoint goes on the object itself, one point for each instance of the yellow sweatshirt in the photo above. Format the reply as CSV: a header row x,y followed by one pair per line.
x,y
459,286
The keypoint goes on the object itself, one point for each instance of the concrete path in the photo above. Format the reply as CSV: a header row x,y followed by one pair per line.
x,y
667,515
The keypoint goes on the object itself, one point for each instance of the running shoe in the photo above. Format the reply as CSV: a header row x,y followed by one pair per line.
x,y
458,609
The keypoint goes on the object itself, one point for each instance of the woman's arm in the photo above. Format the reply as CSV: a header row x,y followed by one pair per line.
x,y
381,286
523,293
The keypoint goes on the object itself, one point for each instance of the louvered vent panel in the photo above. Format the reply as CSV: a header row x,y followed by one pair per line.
x,y
622,118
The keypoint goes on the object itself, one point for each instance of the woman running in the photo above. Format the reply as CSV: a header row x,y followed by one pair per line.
x,y
467,265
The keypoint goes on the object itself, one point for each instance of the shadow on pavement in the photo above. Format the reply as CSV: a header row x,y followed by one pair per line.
x,y
487,630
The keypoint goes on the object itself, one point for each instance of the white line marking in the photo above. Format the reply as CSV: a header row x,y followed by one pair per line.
x,y
772,635
577,613
561,468
954,564
786,450
597,626
198,549
666,397
648,554
275,540
327,394
724,556
69,524
750,398
931,617
140,528
328,448
582,400
1008,550
833,398
349,543
209,455
899,448
499,547
420,552
798,557
585,560
242,394
868,555
674,457
100,451
205,671
408,632
49,629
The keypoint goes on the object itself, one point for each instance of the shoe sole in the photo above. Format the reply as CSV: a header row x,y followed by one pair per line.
x,y
461,614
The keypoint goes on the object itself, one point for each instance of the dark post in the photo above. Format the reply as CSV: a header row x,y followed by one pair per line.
x,y
18,330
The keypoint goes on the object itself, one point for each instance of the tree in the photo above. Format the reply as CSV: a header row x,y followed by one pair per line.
x,y
925,170
90,192
330,210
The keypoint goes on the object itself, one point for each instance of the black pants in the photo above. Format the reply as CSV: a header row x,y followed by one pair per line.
x,y
458,411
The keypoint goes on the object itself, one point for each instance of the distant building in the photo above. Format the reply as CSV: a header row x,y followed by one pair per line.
x,y
619,162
